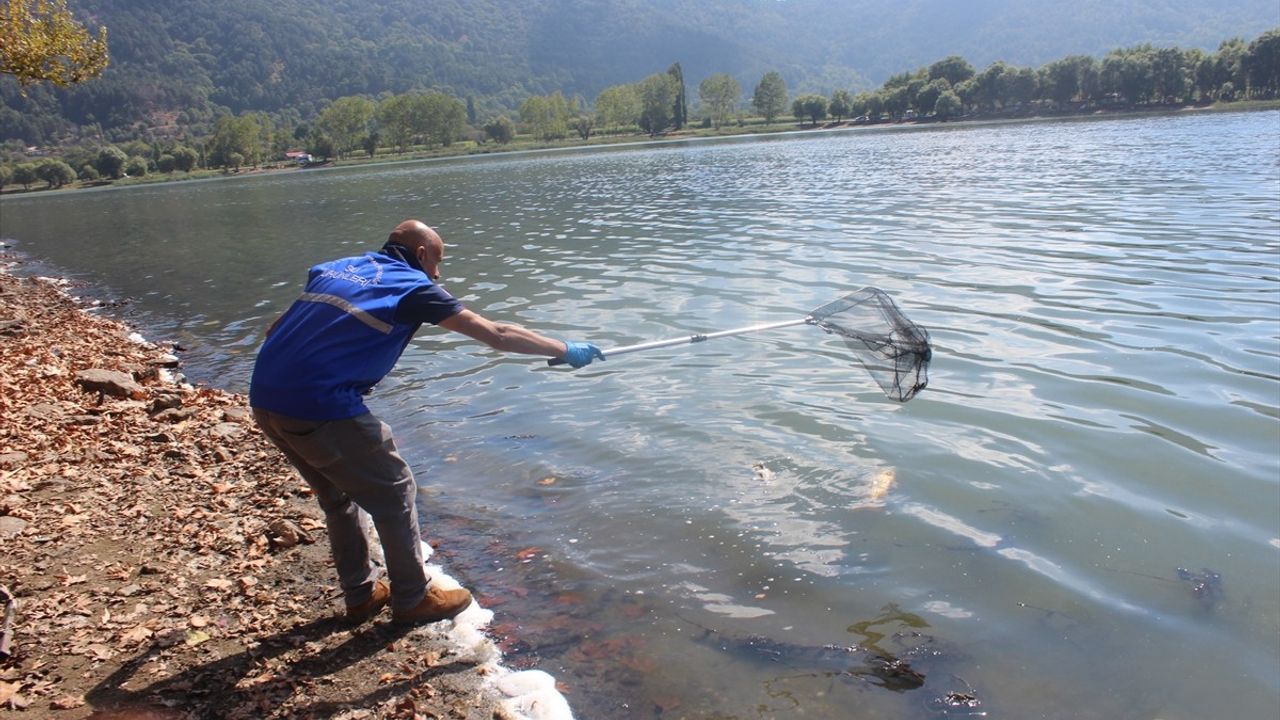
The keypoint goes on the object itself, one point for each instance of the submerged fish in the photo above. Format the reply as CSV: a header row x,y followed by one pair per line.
x,y
877,490
876,666
881,484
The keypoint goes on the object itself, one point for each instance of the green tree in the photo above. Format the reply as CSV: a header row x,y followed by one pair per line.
x,y
1062,81
929,95
346,120
870,104
500,129
841,104
110,162
395,117
948,106
319,144
55,172
583,125
618,106
166,164
657,100
40,40
989,85
813,107
547,116
770,96
1130,73
239,135
441,119
680,108
1019,86
1169,76
720,94
1261,63
136,166
6,175
953,69
89,173
24,174
184,158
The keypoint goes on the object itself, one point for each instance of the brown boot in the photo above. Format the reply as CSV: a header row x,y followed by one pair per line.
x,y
367,609
436,605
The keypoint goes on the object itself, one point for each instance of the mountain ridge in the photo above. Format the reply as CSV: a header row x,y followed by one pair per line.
x,y
190,58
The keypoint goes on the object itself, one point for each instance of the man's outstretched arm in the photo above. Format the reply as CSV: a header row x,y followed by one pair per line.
x,y
516,339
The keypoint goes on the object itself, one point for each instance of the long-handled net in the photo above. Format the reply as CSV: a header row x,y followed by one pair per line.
x,y
894,350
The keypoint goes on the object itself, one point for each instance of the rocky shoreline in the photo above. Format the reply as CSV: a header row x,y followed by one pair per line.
x,y
161,560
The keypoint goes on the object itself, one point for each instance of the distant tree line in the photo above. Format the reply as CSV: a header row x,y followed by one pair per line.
x,y
1132,77
1137,76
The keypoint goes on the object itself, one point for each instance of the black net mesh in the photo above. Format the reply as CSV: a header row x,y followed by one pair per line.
x,y
892,348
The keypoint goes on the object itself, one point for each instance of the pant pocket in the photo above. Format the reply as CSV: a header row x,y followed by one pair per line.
x,y
312,441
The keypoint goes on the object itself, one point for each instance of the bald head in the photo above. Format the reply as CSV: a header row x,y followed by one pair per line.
x,y
423,242
414,234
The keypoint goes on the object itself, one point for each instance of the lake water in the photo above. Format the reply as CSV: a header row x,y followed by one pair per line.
x,y
1084,516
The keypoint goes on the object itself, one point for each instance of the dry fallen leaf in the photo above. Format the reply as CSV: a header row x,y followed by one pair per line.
x,y
528,554
67,702
136,635
8,690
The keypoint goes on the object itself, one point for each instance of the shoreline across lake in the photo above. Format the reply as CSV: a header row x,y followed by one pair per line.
x,y
601,142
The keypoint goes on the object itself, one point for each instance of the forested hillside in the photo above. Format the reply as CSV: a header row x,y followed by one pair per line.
x,y
178,62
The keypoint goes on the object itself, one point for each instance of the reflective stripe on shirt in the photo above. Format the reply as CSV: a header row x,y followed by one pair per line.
x,y
347,307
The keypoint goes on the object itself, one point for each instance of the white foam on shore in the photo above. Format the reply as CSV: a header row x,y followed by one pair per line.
x,y
525,694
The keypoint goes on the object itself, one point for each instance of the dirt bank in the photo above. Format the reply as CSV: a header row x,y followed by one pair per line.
x,y
162,559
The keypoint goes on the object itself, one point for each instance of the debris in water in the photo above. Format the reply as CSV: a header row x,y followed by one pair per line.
x,y
763,473
1206,585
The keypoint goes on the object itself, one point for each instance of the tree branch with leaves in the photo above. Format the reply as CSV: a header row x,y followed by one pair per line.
x,y
40,41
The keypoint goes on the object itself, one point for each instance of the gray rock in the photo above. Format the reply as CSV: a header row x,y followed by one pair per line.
x,y
10,526
47,412
167,360
164,402
236,414
109,382
226,430
174,415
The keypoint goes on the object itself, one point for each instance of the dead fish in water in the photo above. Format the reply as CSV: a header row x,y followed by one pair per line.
x,y
882,670
878,489
1206,585
763,473
869,662
881,483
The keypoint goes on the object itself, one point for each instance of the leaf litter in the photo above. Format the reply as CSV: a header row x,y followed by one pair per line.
x,y
161,560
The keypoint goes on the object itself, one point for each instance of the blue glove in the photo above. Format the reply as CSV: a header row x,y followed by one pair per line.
x,y
580,354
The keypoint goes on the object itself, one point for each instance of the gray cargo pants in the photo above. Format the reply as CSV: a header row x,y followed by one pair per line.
x,y
353,464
